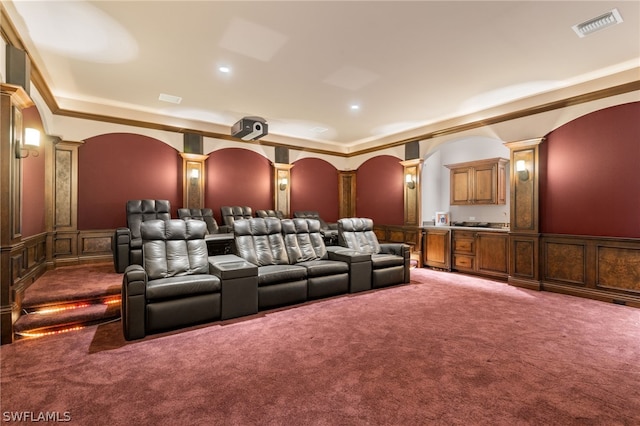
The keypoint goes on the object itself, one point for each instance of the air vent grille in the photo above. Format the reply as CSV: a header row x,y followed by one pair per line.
x,y
596,24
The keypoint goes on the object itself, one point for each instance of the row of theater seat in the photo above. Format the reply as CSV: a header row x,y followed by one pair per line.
x,y
127,241
278,262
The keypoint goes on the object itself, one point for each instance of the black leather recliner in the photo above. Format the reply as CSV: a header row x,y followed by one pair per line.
x,y
293,263
305,247
390,262
230,214
206,215
174,288
127,242
270,213
329,230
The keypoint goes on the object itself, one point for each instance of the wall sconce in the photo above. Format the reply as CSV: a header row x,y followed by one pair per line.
x,y
410,181
283,183
30,145
195,174
521,169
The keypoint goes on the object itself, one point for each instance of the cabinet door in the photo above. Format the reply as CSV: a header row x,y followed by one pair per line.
x,y
461,191
492,253
485,184
437,249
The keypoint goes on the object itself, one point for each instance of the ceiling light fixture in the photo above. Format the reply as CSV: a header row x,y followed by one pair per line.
x,y
170,98
224,69
355,107
596,24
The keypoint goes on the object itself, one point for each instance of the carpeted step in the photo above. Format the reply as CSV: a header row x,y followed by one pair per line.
x,y
66,317
70,297
73,284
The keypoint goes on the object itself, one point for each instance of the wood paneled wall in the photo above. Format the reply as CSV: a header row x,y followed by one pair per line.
x,y
600,268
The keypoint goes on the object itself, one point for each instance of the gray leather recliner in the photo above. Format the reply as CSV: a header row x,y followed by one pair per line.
x,y
270,213
293,263
329,230
230,214
390,262
174,288
206,215
127,242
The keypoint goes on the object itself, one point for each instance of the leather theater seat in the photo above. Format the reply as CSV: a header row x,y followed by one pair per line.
x,y
127,242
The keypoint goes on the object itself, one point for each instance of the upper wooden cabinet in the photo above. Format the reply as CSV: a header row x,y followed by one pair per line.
x,y
479,182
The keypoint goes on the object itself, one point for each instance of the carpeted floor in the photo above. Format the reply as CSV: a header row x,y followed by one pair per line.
x,y
447,349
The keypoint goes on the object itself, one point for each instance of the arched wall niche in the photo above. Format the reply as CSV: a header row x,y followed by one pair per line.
x,y
436,178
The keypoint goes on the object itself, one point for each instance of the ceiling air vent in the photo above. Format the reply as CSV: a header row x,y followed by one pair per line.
x,y
596,24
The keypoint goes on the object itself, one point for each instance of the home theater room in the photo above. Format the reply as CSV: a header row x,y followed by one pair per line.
x,y
320,212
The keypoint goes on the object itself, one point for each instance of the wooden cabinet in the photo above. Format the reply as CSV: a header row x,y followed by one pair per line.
x,y
484,253
479,182
437,248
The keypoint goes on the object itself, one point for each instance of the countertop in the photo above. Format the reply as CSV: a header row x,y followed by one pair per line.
x,y
468,228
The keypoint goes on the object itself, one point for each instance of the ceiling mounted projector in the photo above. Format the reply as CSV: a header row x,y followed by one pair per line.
x,y
250,128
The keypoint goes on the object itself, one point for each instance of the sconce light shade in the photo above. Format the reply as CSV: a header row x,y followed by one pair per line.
x,y
31,137
410,181
521,169
30,143
283,184
195,173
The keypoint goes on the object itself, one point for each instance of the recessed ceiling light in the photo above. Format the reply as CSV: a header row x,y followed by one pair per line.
x,y
224,69
170,98
355,107
599,23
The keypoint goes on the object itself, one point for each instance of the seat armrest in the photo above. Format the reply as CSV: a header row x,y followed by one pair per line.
x,y
360,268
399,249
230,266
347,255
224,229
120,248
134,281
133,303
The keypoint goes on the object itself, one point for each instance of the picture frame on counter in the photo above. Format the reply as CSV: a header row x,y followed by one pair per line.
x,y
442,219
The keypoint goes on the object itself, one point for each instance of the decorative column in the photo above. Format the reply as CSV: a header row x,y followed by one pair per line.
x,y
412,192
282,187
193,174
524,235
61,201
346,193
13,99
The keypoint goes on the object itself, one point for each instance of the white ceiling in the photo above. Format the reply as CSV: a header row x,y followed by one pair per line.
x,y
302,64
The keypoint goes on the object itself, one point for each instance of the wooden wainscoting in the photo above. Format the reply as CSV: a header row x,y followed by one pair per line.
x,y
27,263
411,235
600,268
77,247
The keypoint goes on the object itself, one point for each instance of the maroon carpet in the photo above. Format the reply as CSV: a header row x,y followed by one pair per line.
x,y
446,349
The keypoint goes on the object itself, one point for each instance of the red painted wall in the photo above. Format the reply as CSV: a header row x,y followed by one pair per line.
x,y
117,167
33,189
380,192
589,181
238,177
314,186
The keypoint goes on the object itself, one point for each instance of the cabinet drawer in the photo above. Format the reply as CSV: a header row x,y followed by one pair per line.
x,y
463,262
463,245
